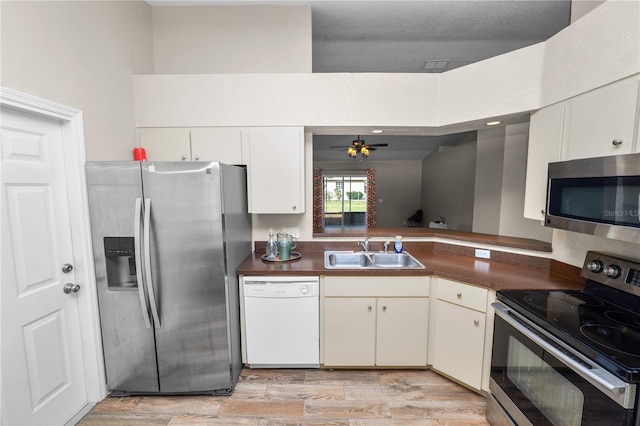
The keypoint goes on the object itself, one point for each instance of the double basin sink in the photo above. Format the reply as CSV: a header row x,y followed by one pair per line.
x,y
369,260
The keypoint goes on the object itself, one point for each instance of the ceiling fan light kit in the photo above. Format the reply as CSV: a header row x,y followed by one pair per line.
x,y
360,147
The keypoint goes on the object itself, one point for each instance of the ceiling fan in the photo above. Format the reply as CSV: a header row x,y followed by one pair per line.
x,y
360,147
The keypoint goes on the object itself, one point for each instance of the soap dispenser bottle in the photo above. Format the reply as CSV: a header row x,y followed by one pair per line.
x,y
398,244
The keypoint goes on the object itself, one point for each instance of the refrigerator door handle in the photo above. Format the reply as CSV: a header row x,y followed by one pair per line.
x,y
147,261
138,258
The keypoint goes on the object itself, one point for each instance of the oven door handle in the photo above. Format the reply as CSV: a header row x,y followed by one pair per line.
x,y
615,388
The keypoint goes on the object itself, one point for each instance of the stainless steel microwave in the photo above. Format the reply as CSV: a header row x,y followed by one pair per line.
x,y
597,196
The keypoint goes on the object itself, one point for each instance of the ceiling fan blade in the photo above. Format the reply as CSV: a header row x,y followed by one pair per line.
x,y
377,144
341,147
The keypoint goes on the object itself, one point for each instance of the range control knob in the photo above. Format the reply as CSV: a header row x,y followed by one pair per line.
x,y
613,271
304,289
595,266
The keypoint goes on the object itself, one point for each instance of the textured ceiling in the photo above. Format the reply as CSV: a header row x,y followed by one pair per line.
x,y
400,36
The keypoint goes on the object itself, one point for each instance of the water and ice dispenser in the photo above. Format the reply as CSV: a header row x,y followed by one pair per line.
x,y
121,263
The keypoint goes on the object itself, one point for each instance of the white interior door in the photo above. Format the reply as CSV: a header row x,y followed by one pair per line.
x,y
43,375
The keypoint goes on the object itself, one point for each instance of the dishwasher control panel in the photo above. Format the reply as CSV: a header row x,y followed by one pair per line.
x,y
281,287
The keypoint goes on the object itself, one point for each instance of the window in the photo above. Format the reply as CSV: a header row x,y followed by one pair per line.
x,y
344,201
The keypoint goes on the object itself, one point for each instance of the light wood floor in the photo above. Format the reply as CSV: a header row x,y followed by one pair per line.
x,y
309,397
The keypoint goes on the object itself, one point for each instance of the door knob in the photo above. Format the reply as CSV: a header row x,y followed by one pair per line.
x,y
66,268
71,288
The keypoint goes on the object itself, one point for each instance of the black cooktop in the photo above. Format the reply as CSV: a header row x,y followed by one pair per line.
x,y
603,331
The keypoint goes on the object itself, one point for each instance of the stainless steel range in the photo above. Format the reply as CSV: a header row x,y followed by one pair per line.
x,y
569,357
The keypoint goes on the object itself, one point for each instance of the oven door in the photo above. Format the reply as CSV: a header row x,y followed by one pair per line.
x,y
539,382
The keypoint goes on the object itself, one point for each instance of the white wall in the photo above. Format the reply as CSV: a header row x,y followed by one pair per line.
x,y
81,54
488,181
397,185
599,48
512,220
296,99
232,39
500,181
579,8
571,247
448,178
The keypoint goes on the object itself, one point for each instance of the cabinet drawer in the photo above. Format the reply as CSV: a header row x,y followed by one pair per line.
x,y
376,286
462,294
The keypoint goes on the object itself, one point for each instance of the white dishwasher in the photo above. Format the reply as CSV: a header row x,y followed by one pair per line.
x,y
282,321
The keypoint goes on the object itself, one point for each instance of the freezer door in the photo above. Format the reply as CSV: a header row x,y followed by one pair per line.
x,y
187,271
129,347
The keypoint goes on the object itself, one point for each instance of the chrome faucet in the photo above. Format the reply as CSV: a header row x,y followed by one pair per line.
x,y
364,244
386,246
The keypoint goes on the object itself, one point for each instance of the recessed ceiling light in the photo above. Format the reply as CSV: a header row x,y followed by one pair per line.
x,y
493,123
377,131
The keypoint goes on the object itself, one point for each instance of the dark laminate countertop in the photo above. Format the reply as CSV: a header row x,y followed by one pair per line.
x,y
497,275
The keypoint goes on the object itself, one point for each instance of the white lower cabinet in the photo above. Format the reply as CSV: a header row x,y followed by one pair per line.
x,y
463,324
393,322
375,321
402,325
350,331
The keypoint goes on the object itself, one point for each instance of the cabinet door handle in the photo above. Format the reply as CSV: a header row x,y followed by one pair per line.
x,y
616,142
369,307
294,207
184,157
384,308
197,157
476,322
459,295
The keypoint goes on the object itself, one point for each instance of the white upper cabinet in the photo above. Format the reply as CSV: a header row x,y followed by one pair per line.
x,y
166,144
545,142
274,157
275,166
222,144
602,122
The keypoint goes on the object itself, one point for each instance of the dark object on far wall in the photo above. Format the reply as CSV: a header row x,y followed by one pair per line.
x,y
416,219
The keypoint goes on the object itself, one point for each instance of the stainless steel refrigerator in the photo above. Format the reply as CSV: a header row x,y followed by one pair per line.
x,y
167,240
